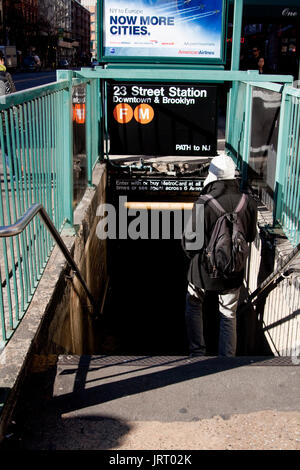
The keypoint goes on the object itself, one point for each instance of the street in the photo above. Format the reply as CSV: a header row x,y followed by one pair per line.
x,y
24,80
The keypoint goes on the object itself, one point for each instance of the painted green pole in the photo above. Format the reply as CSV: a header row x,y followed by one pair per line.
x,y
66,145
88,133
99,29
247,134
282,146
235,64
236,35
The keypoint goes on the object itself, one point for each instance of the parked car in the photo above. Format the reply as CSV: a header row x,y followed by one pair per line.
x,y
30,64
63,64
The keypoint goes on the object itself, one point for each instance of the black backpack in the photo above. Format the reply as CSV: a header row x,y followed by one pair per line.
x,y
227,250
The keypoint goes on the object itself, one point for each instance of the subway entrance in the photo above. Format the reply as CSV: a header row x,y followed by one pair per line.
x,y
144,312
146,300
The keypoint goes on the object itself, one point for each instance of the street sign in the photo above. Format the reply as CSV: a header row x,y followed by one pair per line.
x,y
162,119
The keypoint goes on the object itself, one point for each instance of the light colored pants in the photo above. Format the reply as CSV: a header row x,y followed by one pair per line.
x,y
228,302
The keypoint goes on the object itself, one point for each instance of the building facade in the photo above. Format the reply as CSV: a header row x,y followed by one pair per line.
x,y
272,27
19,19
52,29
91,5
81,33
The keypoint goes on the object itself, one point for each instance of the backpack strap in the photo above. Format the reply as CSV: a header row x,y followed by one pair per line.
x,y
213,202
242,203
239,207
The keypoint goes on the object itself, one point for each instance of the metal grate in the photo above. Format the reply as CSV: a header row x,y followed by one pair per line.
x,y
173,361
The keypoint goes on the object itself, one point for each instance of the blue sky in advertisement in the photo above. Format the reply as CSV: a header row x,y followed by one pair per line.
x,y
174,28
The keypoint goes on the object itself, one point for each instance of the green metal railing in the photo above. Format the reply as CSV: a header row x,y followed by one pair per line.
x,y
288,170
21,224
92,125
36,167
286,198
36,163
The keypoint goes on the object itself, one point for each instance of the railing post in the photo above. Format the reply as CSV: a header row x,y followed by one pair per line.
x,y
230,114
283,136
66,142
247,134
100,115
88,133
237,31
93,134
235,63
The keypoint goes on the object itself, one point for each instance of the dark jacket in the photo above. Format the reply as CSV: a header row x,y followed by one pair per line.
x,y
228,195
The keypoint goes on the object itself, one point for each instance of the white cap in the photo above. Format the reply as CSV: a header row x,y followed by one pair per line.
x,y
221,167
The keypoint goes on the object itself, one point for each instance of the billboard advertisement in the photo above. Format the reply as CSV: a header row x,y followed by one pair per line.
x,y
175,30
162,119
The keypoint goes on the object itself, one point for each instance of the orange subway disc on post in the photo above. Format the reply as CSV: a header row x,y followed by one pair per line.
x,y
80,113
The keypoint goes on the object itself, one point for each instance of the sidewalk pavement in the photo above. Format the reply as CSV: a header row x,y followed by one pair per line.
x,y
165,402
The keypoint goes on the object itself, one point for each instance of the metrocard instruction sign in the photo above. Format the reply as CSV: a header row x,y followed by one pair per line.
x,y
179,30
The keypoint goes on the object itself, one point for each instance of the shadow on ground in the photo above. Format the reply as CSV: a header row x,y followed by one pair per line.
x,y
56,409
38,425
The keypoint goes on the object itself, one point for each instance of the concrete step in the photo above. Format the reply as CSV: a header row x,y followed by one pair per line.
x,y
94,402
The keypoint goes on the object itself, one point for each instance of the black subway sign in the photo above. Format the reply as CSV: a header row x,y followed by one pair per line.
x,y
158,120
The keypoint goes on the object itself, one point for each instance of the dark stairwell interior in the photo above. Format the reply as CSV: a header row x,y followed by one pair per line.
x,y
144,310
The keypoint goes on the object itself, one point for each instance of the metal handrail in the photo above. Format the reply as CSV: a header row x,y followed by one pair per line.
x,y
19,226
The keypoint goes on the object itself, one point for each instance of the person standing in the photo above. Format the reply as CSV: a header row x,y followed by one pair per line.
x,y
7,87
221,186
252,63
261,65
